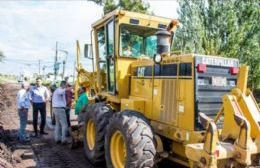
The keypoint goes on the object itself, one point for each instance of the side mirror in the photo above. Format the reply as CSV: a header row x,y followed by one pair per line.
x,y
88,51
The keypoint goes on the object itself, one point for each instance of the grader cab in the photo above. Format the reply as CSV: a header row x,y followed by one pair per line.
x,y
192,109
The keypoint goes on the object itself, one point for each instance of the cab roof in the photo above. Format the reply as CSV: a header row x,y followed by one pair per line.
x,y
134,15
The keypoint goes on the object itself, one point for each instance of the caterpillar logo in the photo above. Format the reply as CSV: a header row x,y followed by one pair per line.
x,y
224,62
140,71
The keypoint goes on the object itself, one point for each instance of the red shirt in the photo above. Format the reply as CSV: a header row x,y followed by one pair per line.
x,y
69,97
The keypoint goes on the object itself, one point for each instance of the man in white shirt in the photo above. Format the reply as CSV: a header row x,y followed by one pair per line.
x,y
59,106
23,104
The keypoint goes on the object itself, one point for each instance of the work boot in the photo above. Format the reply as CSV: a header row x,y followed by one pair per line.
x,y
43,133
57,142
35,135
64,143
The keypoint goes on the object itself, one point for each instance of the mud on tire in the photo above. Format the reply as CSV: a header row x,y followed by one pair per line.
x,y
100,114
138,138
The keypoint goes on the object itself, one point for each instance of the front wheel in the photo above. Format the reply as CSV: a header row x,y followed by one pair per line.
x,y
129,142
96,120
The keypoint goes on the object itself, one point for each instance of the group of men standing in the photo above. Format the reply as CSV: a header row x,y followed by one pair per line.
x,y
61,103
37,96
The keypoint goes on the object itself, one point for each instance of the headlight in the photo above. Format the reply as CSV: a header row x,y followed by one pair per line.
x,y
157,58
232,83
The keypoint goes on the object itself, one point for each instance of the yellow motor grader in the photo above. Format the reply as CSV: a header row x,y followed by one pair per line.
x,y
192,109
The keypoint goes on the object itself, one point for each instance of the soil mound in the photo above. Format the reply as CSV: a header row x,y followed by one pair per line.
x,y
6,159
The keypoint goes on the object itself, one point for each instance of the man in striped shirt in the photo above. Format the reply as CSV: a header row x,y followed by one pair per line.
x,y
39,97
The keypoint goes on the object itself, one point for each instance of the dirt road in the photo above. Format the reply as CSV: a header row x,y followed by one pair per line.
x,y
40,152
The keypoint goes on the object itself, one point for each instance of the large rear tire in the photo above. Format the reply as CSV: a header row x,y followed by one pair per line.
x,y
129,141
96,120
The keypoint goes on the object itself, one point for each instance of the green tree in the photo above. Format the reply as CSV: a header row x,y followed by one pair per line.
x,y
222,27
131,5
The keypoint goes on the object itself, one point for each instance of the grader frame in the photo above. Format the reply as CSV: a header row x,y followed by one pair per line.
x,y
149,107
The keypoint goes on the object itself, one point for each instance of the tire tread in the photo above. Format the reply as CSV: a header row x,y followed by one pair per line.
x,y
139,138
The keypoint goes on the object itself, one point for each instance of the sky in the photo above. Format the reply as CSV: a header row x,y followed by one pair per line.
x,y
29,30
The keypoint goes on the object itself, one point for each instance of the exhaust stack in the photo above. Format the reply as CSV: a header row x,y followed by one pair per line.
x,y
163,41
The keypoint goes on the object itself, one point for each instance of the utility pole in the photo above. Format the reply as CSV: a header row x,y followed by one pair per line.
x,y
63,71
39,73
56,62
64,62
43,72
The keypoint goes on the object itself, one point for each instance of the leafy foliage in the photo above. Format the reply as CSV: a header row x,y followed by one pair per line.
x,y
228,28
131,5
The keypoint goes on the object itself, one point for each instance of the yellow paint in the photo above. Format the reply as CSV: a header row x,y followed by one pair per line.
x,y
242,78
244,105
245,132
123,76
185,105
76,85
84,78
124,16
122,65
91,134
118,150
240,101
168,102
133,104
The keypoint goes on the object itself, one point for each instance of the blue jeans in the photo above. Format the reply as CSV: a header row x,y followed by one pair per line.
x,y
23,115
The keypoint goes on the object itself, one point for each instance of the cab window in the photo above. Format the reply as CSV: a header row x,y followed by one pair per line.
x,y
136,41
110,57
101,44
110,39
151,45
102,56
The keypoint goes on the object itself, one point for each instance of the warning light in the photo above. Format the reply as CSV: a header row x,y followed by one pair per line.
x,y
201,68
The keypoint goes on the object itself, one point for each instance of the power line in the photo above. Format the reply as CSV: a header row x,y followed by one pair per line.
x,y
27,61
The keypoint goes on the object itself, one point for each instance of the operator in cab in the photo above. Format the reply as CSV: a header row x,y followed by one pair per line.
x,y
127,51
